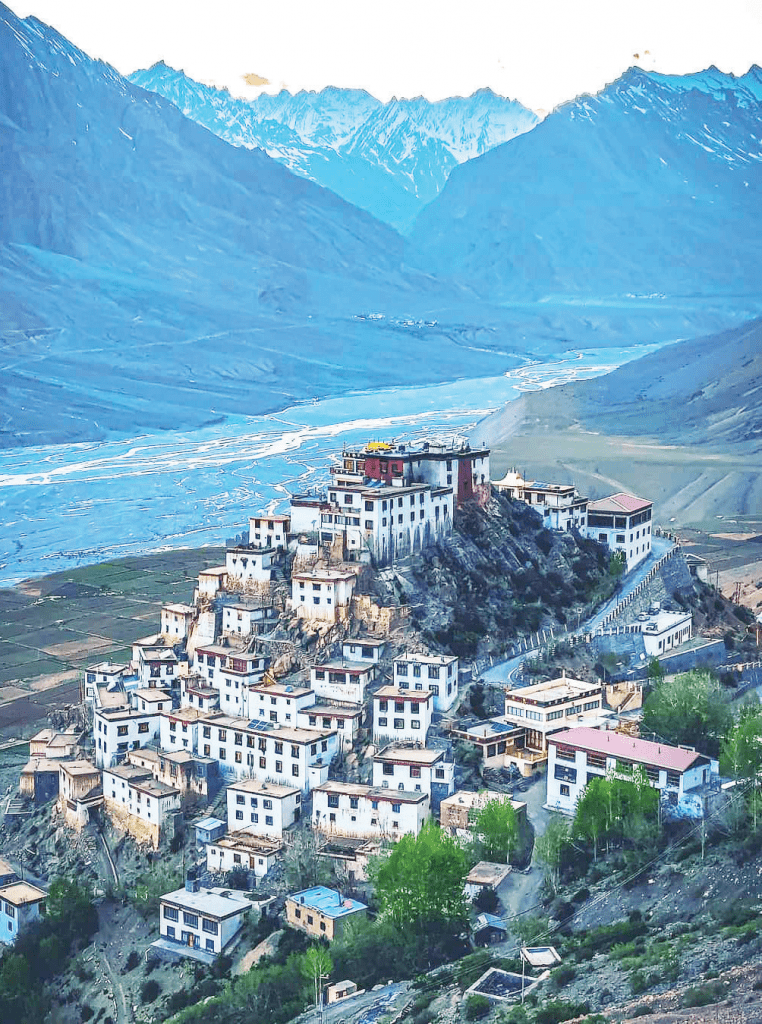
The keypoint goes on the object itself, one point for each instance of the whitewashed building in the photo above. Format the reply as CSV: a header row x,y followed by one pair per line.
x,y
154,661
269,531
242,850
180,729
577,755
365,649
435,672
195,692
138,803
211,581
560,506
416,770
365,812
346,720
666,630
623,523
194,918
401,716
277,702
243,615
323,594
346,682
115,732
248,567
262,808
151,701
176,620
230,670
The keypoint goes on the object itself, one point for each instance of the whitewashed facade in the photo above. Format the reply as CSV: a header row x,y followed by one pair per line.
x,y
115,732
262,808
623,523
401,716
366,812
435,672
277,702
322,594
346,682
269,531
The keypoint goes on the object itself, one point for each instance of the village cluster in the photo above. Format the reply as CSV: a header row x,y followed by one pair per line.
x,y
211,702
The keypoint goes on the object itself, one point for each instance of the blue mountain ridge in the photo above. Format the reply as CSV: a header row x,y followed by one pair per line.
x,y
649,190
151,275
387,158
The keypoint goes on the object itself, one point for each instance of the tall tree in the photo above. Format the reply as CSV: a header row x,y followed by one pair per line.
x,y
549,848
691,709
495,830
420,882
591,815
317,965
741,751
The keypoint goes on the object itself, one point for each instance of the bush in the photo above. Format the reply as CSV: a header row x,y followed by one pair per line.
x,y
644,1010
150,990
563,975
486,899
132,961
237,878
702,995
87,1012
558,1010
638,983
477,1006
581,895
176,842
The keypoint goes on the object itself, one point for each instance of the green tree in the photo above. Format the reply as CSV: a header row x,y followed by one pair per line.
x,y
549,849
591,815
689,709
419,883
617,564
741,751
495,830
316,966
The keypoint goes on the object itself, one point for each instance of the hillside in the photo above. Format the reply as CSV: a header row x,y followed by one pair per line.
x,y
642,196
387,158
683,425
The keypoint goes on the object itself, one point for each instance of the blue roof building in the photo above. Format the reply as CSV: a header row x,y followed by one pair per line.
x,y
321,912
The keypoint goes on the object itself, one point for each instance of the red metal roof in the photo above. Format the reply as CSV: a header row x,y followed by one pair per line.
x,y
617,744
620,502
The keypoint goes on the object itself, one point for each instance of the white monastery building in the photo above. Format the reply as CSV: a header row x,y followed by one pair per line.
x,y
365,812
623,523
262,808
435,672
401,715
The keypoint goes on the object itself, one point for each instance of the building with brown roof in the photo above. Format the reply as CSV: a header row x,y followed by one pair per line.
x,y
623,523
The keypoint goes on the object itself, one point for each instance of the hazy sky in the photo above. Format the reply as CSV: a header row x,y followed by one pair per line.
x,y
541,52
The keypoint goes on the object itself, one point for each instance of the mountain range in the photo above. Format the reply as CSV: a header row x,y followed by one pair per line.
x,y
646,194
152,275
390,159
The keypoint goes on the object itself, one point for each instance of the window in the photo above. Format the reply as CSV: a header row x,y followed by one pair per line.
x,y
395,808
433,672
263,762
402,670
279,767
239,815
439,773
564,790
415,723
322,926
354,802
190,919
383,705
143,727
333,800
399,723
415,773
382,722
121,730
207,732
294,769
368,506
399,706
170,913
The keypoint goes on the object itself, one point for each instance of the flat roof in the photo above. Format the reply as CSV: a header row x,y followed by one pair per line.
x,y
20,893
215,570
222,650
341,665
401,693
328,902
488,873
364,641
273,789
129,772
112,698
427,659
188,715
279,517
244,840
471,798
281,689
336,712
552,690
153,693
216,902
621,502
395,796
80,767
179,609
153,787
617,744
208,823
409,755
324,575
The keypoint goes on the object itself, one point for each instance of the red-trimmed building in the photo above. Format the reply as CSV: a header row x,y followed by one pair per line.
x,y
623,523
577,755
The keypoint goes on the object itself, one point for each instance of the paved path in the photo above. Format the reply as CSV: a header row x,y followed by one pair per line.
x,y
505,671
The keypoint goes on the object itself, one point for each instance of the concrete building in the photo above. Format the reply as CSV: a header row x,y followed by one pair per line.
x,y
176,621
193,775
344,681
115,732
539,710
485,875
79,791
416,769
435,672
457,812
345,720
262,808
560,506
243,850
196,920
211,582
155,661
40,778
365,649
195,692
269,531
455,465
278,702
179,729
664,631
401,716
243,616
54,745
230,670
21,905
623,523
289,756
322,912
322,594
683,777
355,811
249,569
108,675
137,803
151,701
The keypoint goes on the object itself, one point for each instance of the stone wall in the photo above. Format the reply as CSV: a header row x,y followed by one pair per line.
x,y
121,819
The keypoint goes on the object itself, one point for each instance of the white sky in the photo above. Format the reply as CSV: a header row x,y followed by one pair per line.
x,y
541,52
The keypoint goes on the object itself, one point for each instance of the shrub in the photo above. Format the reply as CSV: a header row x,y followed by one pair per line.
x,y
87,1012
581,895
477,1006
132,961
150,990
638,983
176,842
237,878
558,1010
486,899
702,995
644,1010
563,975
